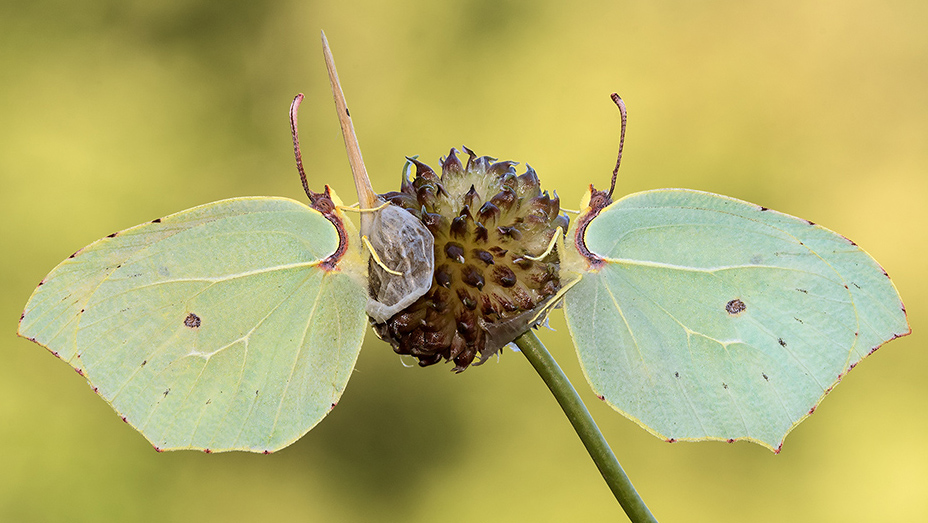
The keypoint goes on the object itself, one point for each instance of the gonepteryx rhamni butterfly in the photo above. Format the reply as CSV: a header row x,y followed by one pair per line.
x,y
234,325
700,316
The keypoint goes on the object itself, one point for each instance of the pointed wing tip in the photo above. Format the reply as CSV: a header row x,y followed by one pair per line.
x,y
893,336
20,332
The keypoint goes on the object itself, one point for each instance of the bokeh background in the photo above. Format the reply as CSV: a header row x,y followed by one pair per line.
x,y
113,113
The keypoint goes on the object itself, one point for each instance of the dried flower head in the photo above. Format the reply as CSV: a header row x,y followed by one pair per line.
x,y
488,224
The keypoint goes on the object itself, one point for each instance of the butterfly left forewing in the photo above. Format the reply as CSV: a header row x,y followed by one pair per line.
x,y
227,326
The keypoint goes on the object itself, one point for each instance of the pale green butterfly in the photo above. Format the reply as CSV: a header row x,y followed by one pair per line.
x,y
700,316
234,325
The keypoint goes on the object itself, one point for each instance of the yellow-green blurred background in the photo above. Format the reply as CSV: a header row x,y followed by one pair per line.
x,y
116,112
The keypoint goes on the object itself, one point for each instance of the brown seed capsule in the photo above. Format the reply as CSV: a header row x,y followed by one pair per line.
x,y
451,166
504,276
426,194
488,213
467,299
523,262
501,169
510,232
483,256
459,227
455,252
504,199
485,290
443,276
471,198
472,276
527,182
433,222
423,171
481,235
408,320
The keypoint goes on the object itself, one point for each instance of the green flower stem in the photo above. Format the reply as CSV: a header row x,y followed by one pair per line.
x,y
586,428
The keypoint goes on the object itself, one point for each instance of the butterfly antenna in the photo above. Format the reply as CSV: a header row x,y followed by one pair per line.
x,y
615,172
294,107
